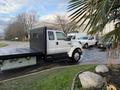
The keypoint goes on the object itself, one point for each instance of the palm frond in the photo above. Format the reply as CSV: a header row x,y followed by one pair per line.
x,y
95,14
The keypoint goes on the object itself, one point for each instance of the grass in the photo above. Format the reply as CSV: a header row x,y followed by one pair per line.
x,y
54,79
3,44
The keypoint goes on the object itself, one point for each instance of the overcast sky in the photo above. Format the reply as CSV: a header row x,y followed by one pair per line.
x,y
45,8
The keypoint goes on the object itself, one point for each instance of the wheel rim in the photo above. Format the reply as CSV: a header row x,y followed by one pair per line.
x,y
76,56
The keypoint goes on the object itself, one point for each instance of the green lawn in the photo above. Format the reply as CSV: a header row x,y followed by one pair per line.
x,y
3,45
54,79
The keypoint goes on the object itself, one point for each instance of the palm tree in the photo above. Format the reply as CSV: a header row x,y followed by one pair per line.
x,y
96,14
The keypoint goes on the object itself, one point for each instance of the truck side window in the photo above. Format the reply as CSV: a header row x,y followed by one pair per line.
x,y
51,35
60,36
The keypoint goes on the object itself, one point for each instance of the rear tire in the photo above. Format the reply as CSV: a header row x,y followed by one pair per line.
x,y
76,56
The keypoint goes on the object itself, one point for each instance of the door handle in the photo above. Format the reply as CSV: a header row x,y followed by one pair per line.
x,y
56,43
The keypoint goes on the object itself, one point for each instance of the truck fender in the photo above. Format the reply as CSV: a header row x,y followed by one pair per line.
x,y
72,50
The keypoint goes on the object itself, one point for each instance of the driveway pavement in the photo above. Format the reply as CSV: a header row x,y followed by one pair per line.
x,y
94,55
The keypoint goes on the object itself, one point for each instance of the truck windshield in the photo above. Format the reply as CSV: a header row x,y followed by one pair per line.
x,y
60,36
84,38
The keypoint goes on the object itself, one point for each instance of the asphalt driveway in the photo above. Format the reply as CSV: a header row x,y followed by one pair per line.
x,y
93,55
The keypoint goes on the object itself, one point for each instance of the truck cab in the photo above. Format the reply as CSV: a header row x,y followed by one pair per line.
x,y
57,42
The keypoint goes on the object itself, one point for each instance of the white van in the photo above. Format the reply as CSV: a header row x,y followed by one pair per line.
x,y
83,38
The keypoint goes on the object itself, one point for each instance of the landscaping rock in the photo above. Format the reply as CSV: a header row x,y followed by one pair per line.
x,y
91,80
101,69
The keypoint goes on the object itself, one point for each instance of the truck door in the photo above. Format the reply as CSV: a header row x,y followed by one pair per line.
x,y
51,42
62,45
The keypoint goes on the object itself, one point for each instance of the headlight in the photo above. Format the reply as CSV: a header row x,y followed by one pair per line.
x,y
101,45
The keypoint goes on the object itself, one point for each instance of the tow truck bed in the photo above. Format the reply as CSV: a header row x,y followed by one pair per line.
x,y
6,54
11,58
18,57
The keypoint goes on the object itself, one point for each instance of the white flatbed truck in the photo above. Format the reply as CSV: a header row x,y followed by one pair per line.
x,y
44,44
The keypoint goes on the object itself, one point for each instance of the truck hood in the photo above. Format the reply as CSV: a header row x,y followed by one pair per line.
x,y
76,43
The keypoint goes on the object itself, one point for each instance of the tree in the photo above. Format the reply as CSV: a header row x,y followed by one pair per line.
x,y
65,24
15,31
97,14
27,20
21,26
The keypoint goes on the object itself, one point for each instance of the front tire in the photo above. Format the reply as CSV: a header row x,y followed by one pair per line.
x,y
76,55
86,46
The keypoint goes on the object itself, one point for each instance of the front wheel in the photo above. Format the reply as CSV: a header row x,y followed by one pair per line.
x,y
76,55
86,46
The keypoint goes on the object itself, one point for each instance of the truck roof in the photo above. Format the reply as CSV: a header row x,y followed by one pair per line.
x,y
50,29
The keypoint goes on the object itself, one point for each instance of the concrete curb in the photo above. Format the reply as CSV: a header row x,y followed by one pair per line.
x,y
74,79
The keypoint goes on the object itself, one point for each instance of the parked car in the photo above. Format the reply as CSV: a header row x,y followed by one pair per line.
x,y
104,45
84,39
